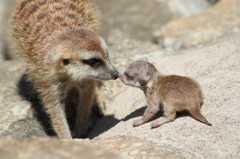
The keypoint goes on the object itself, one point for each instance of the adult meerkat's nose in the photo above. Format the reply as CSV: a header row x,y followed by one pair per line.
x,y
115,74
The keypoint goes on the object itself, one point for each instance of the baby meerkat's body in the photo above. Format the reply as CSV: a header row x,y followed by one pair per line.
x,y
170,94
59,41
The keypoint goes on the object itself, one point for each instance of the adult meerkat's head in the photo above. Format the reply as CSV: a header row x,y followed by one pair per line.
x,y
84,54
138,74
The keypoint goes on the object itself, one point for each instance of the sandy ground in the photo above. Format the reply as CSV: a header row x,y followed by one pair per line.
x,y
217,68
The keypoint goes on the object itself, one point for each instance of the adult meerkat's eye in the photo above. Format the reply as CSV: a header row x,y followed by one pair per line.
x,y
66,61
94,62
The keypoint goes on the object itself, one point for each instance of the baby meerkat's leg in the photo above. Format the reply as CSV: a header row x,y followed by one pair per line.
x,y
148,115
53,100
86,93
169,116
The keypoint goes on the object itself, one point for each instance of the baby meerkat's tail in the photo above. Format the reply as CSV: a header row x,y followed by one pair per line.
x,y
198,116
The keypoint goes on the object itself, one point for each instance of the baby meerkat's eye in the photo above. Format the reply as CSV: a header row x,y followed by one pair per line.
x,y
66,61
128,76
94,62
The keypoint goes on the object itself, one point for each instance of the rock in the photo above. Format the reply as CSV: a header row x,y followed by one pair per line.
x,y
134,147
48,148
218,21
16,117
216,68
137,19
6,9
132,19
188,7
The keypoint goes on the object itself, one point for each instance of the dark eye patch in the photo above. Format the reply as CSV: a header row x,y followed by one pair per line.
x,y
142,82
94,62
66,61
128,76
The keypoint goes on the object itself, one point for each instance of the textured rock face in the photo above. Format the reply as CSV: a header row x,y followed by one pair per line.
x,y
222,19
16,117
137,19
6,9
189,7
132,19
51,149
134,147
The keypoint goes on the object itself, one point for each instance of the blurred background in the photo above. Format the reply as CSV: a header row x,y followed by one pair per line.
x,y
126,19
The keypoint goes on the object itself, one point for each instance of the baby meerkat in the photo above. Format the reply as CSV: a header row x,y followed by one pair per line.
x,y
60,43
170,94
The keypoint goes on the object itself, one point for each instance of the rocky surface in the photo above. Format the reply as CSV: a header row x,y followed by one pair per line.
x,y
134,147
16,117
48,148
188,7
220,20
132,19
6,9
137,19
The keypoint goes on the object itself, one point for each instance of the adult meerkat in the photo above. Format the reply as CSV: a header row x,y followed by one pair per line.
x,y
60,43
167,93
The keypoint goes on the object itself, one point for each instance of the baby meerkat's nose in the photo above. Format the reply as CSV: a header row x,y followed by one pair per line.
x,y
115,75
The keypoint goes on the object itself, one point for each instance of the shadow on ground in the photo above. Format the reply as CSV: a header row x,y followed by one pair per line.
x,y
109,121
27,92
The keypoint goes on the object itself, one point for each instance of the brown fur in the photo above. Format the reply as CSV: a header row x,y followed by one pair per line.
x,y
57,39
170,94
37,23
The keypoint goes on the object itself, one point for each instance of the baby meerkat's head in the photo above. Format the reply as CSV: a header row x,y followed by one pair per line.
x,y
138,74
84,54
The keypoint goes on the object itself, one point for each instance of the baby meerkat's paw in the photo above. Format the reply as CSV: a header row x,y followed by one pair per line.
x,y
137,122
155,124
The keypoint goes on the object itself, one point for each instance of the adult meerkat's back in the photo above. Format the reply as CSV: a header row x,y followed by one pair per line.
x,y
59,41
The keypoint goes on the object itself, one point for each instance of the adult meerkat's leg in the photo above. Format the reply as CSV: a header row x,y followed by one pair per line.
x,y
53,101
99,101
86,93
